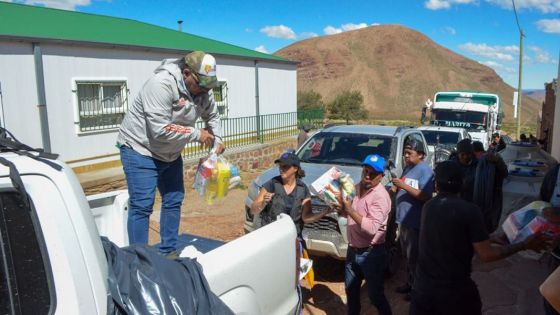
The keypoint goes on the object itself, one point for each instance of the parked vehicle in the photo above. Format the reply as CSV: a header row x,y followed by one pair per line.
x,y
442,141
344,147
53,261
480,113
527,164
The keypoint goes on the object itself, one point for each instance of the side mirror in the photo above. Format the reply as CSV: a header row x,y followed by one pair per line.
x,y
390,167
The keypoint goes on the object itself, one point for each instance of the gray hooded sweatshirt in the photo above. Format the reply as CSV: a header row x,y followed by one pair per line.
x,y
162,119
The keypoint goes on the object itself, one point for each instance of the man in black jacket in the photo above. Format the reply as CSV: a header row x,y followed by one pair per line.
x,y
443,283
482,181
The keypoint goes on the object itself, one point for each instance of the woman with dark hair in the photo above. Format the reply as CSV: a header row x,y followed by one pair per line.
x,y
286,193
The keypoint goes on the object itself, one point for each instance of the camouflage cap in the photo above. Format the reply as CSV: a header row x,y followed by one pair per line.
x,y
203,66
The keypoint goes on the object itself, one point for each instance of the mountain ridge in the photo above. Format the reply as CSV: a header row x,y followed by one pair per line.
x,y
395,68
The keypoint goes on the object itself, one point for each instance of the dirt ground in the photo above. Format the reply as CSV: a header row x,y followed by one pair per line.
x,y
224,221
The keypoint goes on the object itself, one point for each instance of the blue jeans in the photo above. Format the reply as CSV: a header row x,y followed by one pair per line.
x,y
143,175
370,265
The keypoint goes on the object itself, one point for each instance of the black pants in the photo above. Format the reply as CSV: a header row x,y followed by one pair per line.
x,y
463,300
409,239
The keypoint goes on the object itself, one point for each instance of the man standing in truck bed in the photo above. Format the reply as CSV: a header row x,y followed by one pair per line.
x,y
153,134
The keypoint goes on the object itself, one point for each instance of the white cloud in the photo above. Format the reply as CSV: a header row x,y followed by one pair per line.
x,y
57,4
541,56
502,53
549,25
249,30
450,30
331,30
444,4
279,31
307,35
262,49
545,6
498,67
375,24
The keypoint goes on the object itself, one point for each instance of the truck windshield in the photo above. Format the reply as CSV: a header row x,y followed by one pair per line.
x,y
344,148
468,120
445,137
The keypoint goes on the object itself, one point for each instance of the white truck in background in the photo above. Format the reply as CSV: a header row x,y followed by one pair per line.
x,y
53,260
480,113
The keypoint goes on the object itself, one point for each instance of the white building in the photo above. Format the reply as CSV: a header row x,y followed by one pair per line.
x,y
66,78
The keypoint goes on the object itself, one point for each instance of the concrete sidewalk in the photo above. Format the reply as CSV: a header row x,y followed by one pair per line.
x,y
100,177
511,286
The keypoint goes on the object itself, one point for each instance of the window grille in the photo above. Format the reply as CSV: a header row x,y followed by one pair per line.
x,y
221,98
101,105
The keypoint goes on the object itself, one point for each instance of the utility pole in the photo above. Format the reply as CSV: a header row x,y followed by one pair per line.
x,y
519,84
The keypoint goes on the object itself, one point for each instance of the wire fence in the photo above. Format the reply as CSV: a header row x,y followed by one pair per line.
x,y
243,131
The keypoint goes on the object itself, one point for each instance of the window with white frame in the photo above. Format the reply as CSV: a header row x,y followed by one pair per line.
x,y
101,104
221,98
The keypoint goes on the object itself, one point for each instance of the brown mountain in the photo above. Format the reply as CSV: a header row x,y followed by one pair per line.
x,y
538,95
395,68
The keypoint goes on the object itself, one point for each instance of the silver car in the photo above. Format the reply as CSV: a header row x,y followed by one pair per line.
x,y
442,141
344,147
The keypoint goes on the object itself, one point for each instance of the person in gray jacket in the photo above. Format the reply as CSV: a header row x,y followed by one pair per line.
x,y
153,134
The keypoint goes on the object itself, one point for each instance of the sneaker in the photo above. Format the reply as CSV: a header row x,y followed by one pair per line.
x,y
172,255
403,289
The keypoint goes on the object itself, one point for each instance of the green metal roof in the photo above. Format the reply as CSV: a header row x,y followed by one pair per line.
x,y
23,21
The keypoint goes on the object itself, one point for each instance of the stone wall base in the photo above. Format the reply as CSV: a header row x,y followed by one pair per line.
x,y
246,159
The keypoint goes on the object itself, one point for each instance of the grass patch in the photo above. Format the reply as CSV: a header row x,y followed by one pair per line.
x,y
527,129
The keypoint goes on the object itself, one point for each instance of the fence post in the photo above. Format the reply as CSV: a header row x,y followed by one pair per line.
x,y
257,104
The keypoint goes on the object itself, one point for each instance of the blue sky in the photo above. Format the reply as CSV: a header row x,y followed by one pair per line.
x,y
483,30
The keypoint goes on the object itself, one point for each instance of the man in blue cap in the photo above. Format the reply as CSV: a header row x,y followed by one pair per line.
x,y
366,258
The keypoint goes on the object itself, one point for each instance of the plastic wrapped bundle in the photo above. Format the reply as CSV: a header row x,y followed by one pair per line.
x,y
331,182
530,220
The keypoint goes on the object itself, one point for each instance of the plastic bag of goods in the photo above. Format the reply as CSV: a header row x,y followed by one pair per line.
x,y
530,220
331,182
204,171
235,178
218,183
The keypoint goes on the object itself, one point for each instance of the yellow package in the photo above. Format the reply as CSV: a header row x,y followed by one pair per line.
x,y
223,176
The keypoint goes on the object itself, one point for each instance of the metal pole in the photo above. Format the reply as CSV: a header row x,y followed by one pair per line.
x,y
257,110
41,98
519,84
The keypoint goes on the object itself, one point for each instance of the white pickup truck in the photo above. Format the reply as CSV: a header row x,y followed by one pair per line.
x,y
53,260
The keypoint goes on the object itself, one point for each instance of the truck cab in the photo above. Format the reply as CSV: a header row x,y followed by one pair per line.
x,y
480,113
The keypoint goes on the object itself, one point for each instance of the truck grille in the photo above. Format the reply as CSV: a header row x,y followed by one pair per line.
x,y
326,223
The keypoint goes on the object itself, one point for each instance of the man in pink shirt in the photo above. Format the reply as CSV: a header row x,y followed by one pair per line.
x,y
367,217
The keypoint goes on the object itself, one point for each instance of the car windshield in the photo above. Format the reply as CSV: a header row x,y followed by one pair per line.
x,y
344,148
434,137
